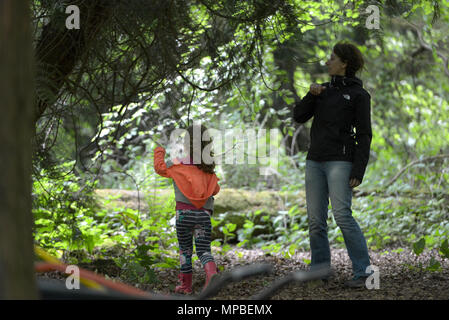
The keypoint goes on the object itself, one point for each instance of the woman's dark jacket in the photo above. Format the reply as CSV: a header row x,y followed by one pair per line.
x,y
339,109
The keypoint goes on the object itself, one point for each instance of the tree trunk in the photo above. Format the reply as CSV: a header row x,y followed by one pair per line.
x,y
17,279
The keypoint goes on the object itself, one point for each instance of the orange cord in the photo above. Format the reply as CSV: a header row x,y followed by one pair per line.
x,y
86,274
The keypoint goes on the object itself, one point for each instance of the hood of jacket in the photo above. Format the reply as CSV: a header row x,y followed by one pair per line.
x,y
343,81
195,184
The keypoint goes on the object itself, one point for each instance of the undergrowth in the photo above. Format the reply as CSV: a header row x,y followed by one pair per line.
x,y
72,225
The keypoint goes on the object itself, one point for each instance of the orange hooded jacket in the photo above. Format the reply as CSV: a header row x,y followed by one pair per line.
x,y
195,184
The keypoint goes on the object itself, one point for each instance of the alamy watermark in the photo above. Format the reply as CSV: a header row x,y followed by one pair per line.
x,y
372,21
73,280
373,280
229,146
73,20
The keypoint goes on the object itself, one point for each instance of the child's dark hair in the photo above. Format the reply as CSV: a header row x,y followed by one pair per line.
x,y
205,167
350,54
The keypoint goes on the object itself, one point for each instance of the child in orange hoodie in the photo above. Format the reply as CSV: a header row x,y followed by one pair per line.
x,y
195,185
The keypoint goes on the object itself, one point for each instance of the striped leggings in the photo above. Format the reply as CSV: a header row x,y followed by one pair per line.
x,y
193,224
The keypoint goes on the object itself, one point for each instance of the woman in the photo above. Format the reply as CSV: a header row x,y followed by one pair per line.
x,y
337,157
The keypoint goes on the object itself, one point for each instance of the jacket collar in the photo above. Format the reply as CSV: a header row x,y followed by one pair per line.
x,y
343,81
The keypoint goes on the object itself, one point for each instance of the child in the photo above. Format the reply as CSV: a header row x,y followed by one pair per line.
x,y
195,185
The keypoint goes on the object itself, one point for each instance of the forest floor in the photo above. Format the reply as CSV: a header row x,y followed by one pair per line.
x,y
400,274
403,276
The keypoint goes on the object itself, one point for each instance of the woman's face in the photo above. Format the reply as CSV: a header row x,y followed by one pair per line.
x,y
335,66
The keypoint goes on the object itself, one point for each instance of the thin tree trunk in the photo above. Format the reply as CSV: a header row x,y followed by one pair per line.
x,y
17,279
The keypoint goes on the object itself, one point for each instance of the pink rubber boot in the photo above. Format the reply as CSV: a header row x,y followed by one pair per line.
x,y
186,283
211,271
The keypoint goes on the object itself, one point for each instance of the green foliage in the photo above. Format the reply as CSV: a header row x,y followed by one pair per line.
x,y
64,210
386,223
70,224
418,247
444,249
433,264
258,62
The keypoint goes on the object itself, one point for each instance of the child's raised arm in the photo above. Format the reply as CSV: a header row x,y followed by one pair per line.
x,y
159,163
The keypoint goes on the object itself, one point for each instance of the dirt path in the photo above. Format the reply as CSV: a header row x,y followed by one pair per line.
x,y
401,278
397,280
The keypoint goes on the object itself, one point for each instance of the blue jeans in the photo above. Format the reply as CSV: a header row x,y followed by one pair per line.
x,y
330,179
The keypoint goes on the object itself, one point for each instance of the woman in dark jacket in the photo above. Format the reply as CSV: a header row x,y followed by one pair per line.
x,y
337,157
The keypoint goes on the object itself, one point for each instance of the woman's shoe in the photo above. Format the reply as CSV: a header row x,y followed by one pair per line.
x,y
356,282
186,283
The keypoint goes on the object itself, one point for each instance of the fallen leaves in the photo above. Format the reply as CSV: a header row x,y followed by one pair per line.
x,y
397,280
402,276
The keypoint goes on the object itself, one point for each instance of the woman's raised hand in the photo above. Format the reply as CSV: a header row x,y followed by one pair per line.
x,y
316,89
